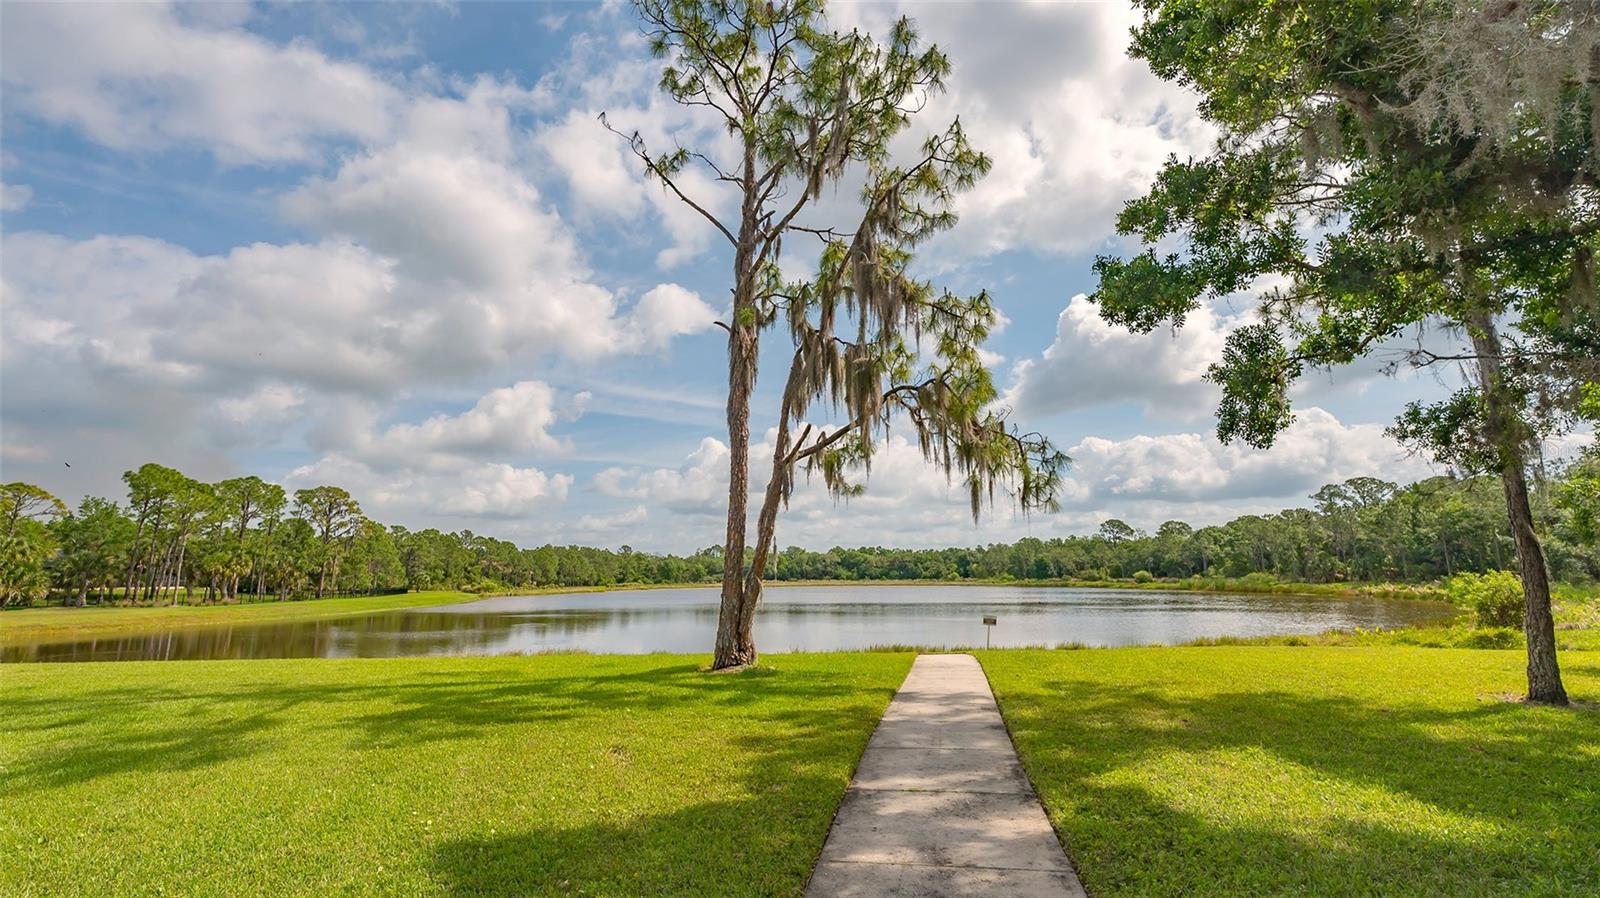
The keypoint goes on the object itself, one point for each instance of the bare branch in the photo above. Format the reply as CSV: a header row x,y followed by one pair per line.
x,y
636,144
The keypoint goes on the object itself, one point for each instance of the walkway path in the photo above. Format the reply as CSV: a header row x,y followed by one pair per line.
x,y
939,804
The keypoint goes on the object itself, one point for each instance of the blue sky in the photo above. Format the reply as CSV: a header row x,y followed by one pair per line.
x,y
390,247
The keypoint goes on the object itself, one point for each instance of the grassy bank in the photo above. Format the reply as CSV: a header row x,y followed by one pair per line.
x,y
1577,617
1309,771
40,624
493,776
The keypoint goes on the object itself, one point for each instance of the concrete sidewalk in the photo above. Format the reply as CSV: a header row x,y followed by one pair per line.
x,y
940,805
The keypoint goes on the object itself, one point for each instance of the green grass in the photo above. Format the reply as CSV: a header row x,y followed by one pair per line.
x,y
44,624
1309,771
566,775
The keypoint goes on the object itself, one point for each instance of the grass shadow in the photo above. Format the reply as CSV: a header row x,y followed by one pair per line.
x,y
1166,790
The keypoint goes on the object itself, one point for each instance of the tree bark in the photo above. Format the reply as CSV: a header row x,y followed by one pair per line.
x,y
134,556
735,647
1544,673
766,533
179,581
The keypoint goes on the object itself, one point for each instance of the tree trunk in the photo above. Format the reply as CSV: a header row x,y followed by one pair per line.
x,y
735,647
179,581
1544,673
766,532
134,556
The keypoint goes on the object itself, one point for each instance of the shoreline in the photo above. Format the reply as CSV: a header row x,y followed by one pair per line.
x,y
24,626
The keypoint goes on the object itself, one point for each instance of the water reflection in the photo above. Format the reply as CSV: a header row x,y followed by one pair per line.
x,y
818,618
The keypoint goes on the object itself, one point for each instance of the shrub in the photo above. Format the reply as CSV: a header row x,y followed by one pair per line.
x,y
1142,577
1492,638
1496,597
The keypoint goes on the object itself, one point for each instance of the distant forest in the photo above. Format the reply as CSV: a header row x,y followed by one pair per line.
x,y
178,539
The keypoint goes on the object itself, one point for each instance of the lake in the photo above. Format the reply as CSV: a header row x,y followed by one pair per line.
x,y
798,618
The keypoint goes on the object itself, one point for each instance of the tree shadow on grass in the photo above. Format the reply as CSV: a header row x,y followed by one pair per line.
x,y
778,745
1151,849
1522,791
764,842
121,729
1586,668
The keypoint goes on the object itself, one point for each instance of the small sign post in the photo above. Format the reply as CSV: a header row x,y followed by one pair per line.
x,y
988,628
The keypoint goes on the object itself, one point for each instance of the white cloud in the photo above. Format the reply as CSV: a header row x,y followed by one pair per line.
x,y
595,164
1074,126
618,526
1092,362
442,250
698,487
613,72
1141,479
509,420
15,197
142,76
449,465
665,312
1191,467
485,490
433,261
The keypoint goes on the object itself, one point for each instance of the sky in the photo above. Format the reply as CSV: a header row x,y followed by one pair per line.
x,y
391,248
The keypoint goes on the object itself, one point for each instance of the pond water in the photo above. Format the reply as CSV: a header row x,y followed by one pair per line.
x,y
809,618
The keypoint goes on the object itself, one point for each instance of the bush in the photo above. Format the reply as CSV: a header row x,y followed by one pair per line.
x,y
1142,577
1492,638
1495,596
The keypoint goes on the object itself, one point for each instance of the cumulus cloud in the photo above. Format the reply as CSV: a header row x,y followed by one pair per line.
x,y
242,420
1142,479
1191,467
154,75
440,248
1092,362
450,465
433,261
619,526
509,420
1074,126
611,70
665,312
483,490
699,487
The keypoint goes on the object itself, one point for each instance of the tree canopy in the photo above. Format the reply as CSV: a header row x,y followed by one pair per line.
x,y
803,107
1376,184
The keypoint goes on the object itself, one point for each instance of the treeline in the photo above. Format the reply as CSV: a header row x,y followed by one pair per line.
x,y
174,538
1362,530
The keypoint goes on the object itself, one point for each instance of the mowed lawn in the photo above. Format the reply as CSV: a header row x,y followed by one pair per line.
x,y
1311,771
550,775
